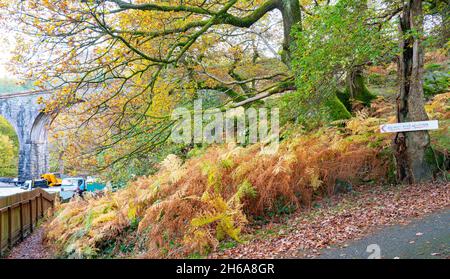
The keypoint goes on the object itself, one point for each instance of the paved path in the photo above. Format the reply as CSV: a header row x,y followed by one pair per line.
x,y
31,248
425,238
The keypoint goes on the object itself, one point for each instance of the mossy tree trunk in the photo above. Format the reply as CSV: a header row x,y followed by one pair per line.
x,y
411,147
356,87
291,13
355,82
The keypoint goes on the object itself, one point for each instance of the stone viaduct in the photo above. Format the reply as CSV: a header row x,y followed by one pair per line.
x,y
25,114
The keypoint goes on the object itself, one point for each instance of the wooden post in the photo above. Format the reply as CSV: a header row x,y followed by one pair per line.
x,y
21,220
37,208
9,227
31,215
1,229
42,205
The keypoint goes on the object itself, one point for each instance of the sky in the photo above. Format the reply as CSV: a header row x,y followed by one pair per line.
x,y
6,48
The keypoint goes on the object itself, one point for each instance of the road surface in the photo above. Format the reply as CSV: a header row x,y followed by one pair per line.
x,y
426,238
8,190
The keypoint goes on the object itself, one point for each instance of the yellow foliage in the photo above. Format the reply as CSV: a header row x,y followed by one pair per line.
x,y
439,107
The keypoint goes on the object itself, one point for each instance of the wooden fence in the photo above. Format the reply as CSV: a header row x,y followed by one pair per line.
x,y
20,213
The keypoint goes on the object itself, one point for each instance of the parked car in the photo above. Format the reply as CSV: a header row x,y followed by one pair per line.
x,y
39,183
31,184
71,186
75,184
26,185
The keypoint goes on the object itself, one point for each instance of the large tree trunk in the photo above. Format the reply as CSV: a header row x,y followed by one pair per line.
x,y
291,13
411,147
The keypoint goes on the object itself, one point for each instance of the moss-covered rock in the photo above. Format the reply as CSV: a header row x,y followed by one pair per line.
x,y
356,88
336,109
344,97
360,91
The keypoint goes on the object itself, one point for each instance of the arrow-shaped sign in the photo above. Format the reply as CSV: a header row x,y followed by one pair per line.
x,y
409,126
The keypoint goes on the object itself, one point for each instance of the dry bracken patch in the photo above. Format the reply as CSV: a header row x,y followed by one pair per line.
x,y
190,207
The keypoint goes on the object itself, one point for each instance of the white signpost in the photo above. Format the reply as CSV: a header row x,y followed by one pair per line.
x,y
409,126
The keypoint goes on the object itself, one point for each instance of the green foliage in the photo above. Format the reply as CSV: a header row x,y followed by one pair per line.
x,y
281,207
331,43
196,151
145,164
306,111
224,245
438,9
437,160
436,79
334,41
312,112
7,130
195,255
376,79
246,190
9,149
7,161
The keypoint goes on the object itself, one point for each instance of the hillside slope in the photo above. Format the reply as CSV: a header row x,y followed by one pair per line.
x,y
189,209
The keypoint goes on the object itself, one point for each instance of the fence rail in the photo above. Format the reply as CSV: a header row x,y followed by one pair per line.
x,y
19,215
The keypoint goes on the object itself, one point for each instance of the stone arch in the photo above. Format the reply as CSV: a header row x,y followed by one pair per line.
x,y
24,113
39,156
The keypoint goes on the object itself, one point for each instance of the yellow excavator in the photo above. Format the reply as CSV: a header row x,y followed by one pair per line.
x,y
53,179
